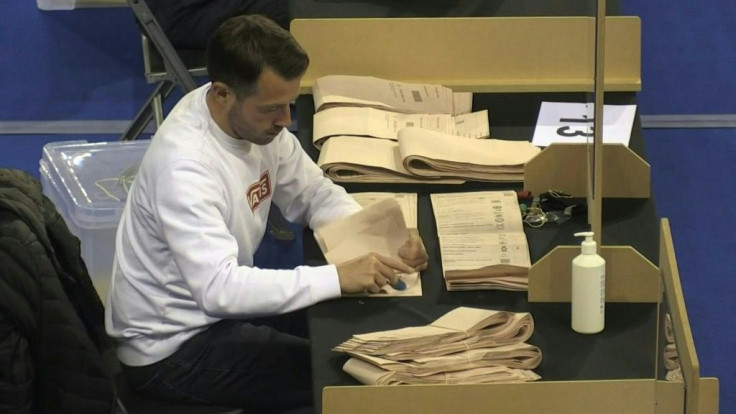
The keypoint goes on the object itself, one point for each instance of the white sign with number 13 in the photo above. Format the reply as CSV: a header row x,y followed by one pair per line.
x,y
571,122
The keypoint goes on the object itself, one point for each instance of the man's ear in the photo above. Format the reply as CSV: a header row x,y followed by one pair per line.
x,y
222,93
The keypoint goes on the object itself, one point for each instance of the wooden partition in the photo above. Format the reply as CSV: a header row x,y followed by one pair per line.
x,y
701,394
563,167
550,397
478,54
630,277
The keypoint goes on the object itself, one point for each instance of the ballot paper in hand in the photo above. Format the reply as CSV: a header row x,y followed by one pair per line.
x,y
407,203
571,123
379,228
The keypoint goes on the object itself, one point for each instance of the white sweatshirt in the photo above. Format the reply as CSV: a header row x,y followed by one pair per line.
x,y
194,217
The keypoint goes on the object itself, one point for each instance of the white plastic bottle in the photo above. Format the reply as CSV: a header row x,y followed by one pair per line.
x,y
588,288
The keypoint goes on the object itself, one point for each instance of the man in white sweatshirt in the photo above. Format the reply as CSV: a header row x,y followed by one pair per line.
x,y
195,320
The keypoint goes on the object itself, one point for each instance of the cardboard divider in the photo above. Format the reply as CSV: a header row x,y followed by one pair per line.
x,y
671,397
683,335
549,397
477,54
563,167
630,277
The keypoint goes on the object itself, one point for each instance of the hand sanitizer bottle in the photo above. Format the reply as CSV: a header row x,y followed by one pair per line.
x,y
588,288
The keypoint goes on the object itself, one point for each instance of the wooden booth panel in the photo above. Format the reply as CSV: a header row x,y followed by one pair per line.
x,y
564,397
630,277
478,54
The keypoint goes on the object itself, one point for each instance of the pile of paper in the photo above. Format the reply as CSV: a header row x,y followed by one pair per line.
x,y
380,131
482,240
466,345
368,91
377,123
670,356
421,155
369,374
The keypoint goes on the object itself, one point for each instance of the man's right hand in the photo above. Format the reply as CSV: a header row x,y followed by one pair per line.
x,y
370,273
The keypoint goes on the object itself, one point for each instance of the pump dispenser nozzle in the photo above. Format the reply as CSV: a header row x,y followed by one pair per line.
x,y
588,246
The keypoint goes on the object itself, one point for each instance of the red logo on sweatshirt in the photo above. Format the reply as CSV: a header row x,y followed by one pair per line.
x,y
259,191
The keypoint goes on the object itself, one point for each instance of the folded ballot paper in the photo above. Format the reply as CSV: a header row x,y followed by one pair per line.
x,y
466,345
518,355
482,240
670,355
379,227
369,374
369,160
424,156
367,91
458,330
382,131
434,154
377,123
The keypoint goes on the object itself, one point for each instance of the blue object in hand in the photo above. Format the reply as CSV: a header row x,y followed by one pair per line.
x,y
400,285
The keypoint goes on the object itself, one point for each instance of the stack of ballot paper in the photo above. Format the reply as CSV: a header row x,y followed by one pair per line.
x,y
380,227
466,345
368,91
424,156
380,131
370,374
670,356
376,123
482,240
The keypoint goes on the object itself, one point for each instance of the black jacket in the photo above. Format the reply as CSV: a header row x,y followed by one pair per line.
x,y
53,346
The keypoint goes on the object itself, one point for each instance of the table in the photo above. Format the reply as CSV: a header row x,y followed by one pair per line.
x,y
624,350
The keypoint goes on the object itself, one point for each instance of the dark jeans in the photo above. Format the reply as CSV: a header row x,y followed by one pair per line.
x,y
262,365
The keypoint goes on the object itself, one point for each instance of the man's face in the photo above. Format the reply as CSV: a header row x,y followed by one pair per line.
x,y
261,116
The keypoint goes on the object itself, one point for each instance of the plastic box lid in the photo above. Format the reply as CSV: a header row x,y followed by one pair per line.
x,y
92,179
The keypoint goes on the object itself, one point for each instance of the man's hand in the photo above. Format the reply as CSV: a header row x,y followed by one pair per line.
x,y
370,273
413,252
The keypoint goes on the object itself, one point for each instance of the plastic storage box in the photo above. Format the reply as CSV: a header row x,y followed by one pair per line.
x,y
88,183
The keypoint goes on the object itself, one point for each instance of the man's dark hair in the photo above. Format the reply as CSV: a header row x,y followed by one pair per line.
x,y
244,45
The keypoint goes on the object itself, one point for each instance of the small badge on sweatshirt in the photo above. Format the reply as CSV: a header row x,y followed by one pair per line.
x,y
259,191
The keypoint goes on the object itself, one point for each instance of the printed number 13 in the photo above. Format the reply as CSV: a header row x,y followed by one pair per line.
x,y
566,131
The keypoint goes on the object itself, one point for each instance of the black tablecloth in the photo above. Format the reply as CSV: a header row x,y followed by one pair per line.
x,y
624,350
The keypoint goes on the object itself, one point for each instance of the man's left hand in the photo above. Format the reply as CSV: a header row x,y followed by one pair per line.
x,y
413,252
